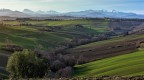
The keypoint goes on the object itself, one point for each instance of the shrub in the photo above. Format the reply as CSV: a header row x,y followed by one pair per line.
x,y
26,64
57,65
68,60
66,72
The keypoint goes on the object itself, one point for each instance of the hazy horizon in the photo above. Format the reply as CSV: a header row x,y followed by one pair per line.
x,y
135,6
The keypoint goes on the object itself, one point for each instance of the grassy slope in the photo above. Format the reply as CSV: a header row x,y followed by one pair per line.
x,y
117,39
29,36
125,65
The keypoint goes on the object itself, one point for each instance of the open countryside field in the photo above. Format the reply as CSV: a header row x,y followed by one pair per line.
x,y
71,40
124,65
107,48
31,34
48,35
29,37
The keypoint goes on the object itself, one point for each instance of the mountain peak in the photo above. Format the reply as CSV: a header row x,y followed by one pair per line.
x,y
86,13
52,12
27,10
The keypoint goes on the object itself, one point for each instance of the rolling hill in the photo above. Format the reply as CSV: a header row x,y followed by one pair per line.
x,y
37,33
31,34
124,65
53,34
107,48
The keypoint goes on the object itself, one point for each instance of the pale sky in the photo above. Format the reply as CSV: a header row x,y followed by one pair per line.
x,y
136,6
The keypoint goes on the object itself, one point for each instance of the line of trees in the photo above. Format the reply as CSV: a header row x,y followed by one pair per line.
x,y
32,64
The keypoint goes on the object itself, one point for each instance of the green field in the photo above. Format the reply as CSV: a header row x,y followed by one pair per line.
x,y
38,33
125,65
30,36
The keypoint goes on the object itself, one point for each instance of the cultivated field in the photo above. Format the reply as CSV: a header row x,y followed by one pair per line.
x,y
49,34
125,65
88,39
107,48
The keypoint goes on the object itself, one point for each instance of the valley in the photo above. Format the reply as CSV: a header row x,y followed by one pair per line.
x,y
100,45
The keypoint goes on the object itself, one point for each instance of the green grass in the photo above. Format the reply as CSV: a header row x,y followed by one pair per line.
x,y
125,65
62,22
30,36
116,39
90,26
11,22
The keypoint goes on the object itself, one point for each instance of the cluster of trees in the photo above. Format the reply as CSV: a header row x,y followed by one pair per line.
x,y
25,24
123,26
24,19
62,66
32,64
77,42
50,28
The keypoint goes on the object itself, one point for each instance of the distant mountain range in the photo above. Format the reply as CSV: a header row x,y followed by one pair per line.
x,y
86,13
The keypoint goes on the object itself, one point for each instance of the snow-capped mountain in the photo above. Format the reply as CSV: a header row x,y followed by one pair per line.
x,y
104,13
8,12
86,13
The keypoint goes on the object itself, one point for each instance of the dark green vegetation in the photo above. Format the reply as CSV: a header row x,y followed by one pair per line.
x,y
30,64
26,64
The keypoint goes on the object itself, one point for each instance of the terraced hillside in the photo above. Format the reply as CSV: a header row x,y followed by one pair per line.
x,y
125,65
107,48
